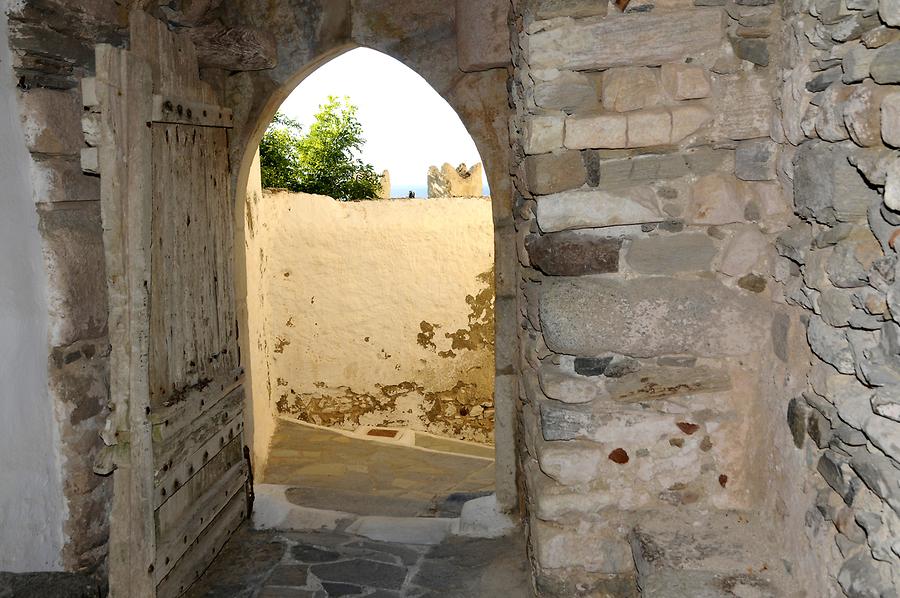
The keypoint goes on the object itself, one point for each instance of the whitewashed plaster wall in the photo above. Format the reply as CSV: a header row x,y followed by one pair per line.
x,y
378,312
31,501
250,271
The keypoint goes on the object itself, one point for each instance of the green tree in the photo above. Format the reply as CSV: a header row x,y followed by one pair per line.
x,y
279,154
325,160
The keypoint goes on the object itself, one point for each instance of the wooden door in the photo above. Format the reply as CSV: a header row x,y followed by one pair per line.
x,y
160,145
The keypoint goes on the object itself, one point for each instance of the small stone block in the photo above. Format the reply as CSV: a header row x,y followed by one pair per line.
x,y
755,160
592,366
752,50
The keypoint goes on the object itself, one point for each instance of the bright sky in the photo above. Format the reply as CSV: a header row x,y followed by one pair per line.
x,y
408,126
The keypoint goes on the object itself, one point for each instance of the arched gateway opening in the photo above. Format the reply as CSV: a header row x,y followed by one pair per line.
x,y
479,98
370,320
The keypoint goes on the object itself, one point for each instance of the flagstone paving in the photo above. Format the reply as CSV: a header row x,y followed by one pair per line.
x,y
269,564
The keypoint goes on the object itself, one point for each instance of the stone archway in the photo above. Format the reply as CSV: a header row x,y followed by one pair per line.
x,y
479,97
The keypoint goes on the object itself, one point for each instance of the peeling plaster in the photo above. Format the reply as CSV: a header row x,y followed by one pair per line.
x,y
401,331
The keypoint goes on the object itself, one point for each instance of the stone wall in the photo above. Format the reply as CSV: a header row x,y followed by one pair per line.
x,y
658,354
839,131
379,313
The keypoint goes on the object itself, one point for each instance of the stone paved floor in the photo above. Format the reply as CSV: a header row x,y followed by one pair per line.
x,y
268,564
329,470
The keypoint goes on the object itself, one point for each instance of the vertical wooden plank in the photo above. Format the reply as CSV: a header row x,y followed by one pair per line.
x,y
168,235
125,157
159,364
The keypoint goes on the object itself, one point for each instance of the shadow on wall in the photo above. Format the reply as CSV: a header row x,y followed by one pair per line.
x,y
380,313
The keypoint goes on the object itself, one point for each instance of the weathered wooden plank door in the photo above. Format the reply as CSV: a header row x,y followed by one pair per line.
x,y
161,148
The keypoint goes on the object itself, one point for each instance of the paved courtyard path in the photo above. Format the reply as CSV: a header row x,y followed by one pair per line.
x,y
270,564
330,470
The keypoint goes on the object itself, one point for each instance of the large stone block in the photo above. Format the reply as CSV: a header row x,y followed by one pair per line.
x,y
862,114
60,178
879,475
553,173
564,90
543,134
755,160
890,119
576,9
746,109
689,252
827,188
650,317
571,463
830,116
658,383
685,81
830,345
78,381
885,67
595,547
688,119
52,121
889,11
560,383
715,200
654,168
630,88
642,170
598,209
856,64
628,40
601,131
648,128
482,34
75,262
574,253
636,129
744,252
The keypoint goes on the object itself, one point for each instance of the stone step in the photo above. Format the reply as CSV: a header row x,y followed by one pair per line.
x,y
479,517
709,555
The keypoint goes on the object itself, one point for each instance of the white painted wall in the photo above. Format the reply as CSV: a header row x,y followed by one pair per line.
x,y
347,289
31,499
250,257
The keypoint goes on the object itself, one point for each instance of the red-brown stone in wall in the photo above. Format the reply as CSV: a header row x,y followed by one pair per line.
x,y
687,427
574,254
619,456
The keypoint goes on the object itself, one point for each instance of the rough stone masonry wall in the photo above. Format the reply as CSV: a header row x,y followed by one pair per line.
x,y
658,354
841,128
379,313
